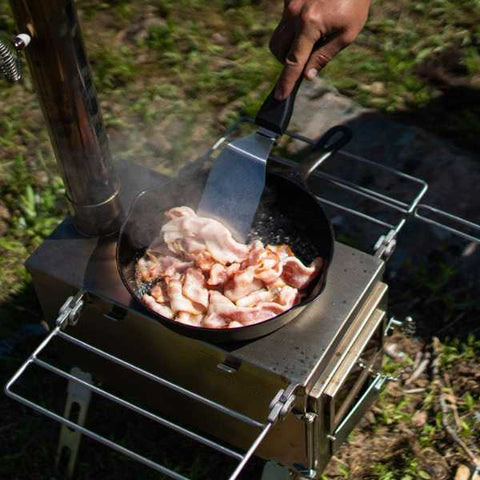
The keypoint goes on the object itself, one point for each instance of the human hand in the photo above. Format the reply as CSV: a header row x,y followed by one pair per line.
x,y
311,33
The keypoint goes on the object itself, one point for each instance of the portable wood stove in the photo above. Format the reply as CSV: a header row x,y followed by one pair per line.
x,y
292,396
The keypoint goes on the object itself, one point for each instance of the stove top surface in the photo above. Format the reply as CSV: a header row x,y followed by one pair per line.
x,y
295,351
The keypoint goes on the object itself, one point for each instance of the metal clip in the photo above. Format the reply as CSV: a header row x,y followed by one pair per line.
x,y
305,473
376,373
407,326
386,245
281,404
308,417
70,310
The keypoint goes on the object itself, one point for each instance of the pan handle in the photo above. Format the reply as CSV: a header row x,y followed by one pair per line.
x,y
332,141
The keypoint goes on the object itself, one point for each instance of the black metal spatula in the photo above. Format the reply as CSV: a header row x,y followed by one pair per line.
x,y
237,178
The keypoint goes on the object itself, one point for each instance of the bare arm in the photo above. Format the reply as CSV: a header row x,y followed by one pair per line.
x,y
311,33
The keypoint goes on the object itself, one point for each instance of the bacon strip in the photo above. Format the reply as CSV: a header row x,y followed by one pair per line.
x,y
242,284
194,287
218,275
178,302
297,275
151,268
205,278
189,319
255,298
156,307
159,293
186,233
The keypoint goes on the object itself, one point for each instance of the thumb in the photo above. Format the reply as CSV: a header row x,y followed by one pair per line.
x,y
322,55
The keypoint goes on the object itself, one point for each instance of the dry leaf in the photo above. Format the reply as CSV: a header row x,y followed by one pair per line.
x,y
463,473
420,418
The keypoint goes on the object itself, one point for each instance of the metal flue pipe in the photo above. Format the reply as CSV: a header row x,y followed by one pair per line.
x,y
64,85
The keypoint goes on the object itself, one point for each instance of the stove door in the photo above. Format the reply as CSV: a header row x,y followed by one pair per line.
x,y
351,382
357,383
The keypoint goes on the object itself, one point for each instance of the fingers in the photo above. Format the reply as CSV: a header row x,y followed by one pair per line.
x,y
295,62
281,40
322,55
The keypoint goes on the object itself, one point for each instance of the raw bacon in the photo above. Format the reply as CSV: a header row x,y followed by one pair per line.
x,y
157,307
218,275
255,298
151,267
296,274
159,293
186,229
178,302
202,277
243,283
194,287
189,319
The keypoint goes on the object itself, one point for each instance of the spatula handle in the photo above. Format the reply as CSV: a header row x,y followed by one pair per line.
x,y
275,115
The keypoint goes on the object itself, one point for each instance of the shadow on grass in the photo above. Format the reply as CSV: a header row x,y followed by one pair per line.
x,y
27,441
454,115
433,275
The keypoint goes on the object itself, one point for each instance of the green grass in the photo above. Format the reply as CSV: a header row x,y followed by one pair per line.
x,y
399,37
167,91
171,75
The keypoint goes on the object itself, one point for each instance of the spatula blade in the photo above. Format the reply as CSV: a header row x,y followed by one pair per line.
x,y
236,182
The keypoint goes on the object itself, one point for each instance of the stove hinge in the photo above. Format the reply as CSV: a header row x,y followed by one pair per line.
x,y
69,312
386,245
282,404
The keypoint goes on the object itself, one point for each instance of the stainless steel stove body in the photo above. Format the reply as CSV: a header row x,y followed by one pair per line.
x,y
315,358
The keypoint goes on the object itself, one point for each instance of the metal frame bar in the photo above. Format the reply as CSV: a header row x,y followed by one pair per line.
x,y
407,209
160,380
449,216
68,315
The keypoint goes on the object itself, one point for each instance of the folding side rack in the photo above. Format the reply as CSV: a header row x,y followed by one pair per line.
x,y
413,208
69,314
283,401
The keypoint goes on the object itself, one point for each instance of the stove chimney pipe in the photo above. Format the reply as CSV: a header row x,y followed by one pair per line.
x,y
63,81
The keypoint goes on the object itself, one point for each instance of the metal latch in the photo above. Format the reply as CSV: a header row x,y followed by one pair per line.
x,y
386,245
357,412
70,310
407,326
281,404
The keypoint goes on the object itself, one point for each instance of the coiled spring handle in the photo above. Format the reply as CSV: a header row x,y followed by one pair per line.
x,y
10,66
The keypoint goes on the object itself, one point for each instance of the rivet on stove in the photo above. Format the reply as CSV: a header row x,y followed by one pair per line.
x,y
116,313
229,365
309,417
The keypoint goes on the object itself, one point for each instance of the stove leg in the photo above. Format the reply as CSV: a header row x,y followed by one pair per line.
x,y
274,471
76,408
